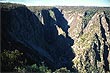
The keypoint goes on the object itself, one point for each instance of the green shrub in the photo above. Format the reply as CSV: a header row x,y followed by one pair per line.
x,y
62,70
10,60
35,68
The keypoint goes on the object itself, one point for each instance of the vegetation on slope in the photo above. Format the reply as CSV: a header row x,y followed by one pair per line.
x,y
87,17
89,46
13,61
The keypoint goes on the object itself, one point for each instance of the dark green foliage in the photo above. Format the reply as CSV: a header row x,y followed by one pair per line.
x,y
12,62
34,68
11,59
45,36
11,5
62,70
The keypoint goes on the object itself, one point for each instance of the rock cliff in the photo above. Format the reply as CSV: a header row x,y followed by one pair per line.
x,y
72,37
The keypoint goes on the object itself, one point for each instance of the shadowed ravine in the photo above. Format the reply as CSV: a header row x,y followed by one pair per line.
x,y
38,39
55,39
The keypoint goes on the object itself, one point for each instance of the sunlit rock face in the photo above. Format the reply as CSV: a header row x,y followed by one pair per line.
x,y
74,37
92,47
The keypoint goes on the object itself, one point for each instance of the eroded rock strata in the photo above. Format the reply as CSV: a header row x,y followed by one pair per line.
x,y
74,37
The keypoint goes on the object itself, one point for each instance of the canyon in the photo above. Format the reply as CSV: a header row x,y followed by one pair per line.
x,y
77,38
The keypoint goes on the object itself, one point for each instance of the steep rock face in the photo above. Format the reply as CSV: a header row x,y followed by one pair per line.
x,y
37,35
47,33
22,27
92,47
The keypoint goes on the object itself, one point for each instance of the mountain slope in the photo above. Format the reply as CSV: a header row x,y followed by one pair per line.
x,y
74,37
38,41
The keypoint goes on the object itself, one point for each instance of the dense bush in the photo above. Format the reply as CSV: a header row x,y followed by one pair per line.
x,y
34,68
11,5
62,70
11,60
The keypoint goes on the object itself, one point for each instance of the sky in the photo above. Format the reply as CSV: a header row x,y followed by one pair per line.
x,y
100,3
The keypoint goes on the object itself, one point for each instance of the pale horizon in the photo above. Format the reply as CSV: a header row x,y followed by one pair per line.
x,y
98,3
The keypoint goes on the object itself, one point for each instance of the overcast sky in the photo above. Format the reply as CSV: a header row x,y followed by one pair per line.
x,y
61,2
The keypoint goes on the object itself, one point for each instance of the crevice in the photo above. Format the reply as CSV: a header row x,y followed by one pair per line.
x,y
107,20
105,56
102,28
58,42
97,57
86,18
105,52
97,50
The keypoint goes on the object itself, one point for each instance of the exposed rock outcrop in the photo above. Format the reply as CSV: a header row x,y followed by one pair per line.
x,y
47,33
92,48
39,40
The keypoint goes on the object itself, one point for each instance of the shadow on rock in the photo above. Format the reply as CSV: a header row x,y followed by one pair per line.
x,y
20,26
61,21
62,51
